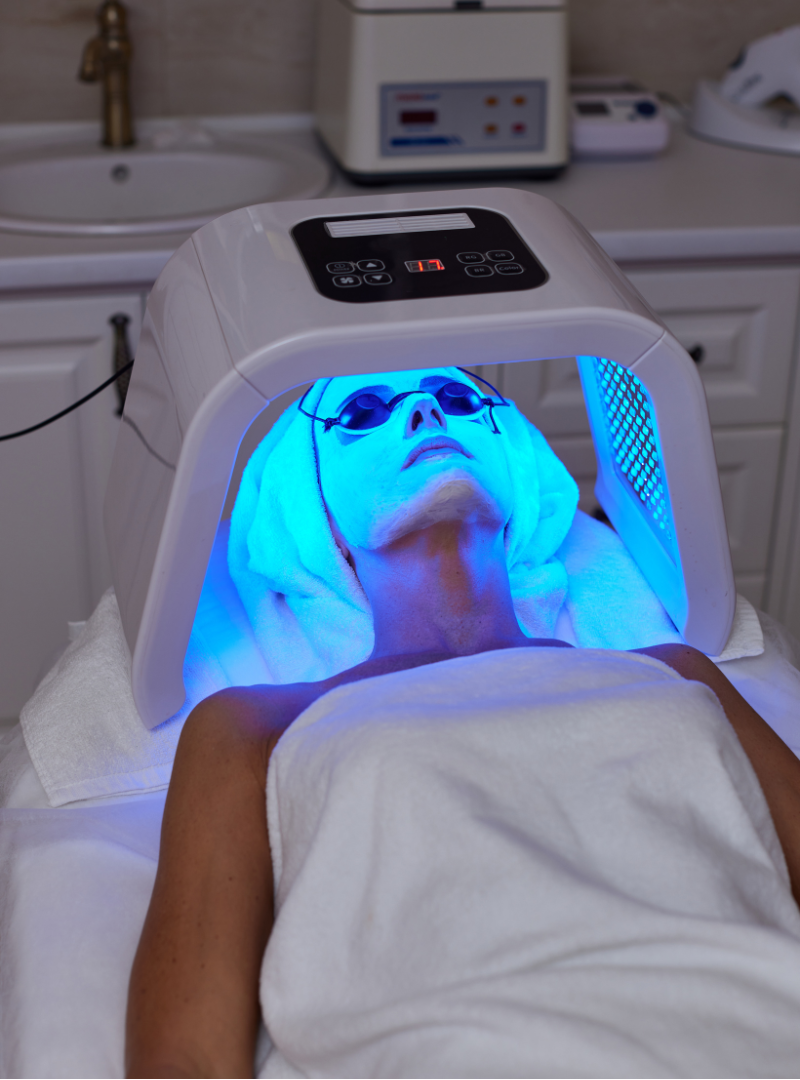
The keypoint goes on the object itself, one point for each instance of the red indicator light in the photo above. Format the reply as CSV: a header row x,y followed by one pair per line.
x,y
420,266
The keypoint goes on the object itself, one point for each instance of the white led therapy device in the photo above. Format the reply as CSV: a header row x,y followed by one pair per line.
x,y
275,296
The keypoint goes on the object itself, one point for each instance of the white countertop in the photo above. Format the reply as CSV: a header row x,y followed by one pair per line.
x,y
696,202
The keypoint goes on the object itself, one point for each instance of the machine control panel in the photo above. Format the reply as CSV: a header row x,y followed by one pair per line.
x,y
416,255
463,118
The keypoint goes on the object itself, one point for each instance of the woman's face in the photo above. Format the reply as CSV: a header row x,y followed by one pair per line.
x,y
420,467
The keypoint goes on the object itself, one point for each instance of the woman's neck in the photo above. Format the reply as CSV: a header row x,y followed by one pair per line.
x,y
443,589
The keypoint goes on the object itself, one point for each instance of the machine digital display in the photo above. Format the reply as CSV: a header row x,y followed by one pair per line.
x,y
402,223
443,118
419,266
592,108
418,116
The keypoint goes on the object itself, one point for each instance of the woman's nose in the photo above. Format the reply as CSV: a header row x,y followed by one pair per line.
x,y
425,413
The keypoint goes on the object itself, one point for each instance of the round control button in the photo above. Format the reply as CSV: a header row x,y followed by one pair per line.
x,y
510,268
340,268
470,257
377,279
500,255
371,264
479,271
646,108
346,281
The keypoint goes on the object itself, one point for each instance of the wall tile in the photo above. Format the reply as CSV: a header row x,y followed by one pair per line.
x,y
40,49
247,56
251,56
670,44
147,24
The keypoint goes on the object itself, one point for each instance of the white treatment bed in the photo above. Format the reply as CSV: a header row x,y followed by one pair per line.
x,y
238,318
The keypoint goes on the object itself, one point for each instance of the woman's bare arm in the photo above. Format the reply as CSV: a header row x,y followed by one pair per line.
x,y
193,999
776,767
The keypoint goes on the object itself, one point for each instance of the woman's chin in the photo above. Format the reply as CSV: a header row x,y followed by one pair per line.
x,y
451,495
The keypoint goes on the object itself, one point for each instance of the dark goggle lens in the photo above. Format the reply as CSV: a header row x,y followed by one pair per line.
x,y
364,412
367,411
458,399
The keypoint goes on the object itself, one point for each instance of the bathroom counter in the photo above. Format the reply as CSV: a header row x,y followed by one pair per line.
x,y
697,201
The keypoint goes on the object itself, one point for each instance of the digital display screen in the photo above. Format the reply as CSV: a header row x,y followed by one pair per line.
x,y
419,266
418,116
592,108
404,223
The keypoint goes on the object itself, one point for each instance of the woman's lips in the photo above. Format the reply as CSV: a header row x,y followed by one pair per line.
x,y
437,443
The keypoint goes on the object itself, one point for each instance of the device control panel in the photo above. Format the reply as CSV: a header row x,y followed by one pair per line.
x,y
463,118
416,255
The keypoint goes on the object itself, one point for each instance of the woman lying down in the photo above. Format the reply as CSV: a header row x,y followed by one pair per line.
x,y
485,852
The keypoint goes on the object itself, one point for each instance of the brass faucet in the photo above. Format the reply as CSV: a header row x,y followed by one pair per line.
x,y
107,57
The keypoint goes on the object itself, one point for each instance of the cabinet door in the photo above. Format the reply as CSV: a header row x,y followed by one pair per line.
x,y
548,392
739,324
52,482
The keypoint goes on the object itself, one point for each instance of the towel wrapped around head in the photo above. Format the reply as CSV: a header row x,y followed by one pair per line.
x,y
310,616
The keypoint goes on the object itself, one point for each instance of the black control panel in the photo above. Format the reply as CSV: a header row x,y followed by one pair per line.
x,y
368,258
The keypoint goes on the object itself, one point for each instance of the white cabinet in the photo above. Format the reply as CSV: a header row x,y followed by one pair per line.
x,y
54,563
740,327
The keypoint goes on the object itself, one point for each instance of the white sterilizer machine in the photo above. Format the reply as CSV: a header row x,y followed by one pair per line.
x,y
272,297
411,89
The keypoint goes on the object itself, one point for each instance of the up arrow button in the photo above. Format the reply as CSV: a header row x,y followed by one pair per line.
x,y
371,264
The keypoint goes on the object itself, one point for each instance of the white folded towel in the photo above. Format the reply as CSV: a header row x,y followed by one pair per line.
x,y
532,862
81,726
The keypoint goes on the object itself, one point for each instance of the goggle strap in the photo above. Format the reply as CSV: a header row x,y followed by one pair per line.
x,y
300,408
485,382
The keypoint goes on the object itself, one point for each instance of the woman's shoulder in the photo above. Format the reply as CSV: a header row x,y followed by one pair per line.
x,y
244,722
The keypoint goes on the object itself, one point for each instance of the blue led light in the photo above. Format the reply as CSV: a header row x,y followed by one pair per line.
x,y
631,435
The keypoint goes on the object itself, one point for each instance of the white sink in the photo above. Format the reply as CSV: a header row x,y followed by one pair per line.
x,y
84,190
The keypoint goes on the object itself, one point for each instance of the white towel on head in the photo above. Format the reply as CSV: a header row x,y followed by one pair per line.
x,y
308,610
614,608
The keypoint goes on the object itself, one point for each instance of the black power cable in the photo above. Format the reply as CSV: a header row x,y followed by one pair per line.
x,y
69,408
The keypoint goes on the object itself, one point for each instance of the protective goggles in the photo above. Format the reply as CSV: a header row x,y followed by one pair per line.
x,y
367,411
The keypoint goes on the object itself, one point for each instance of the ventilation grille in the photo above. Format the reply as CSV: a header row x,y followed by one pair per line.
x,y
631,434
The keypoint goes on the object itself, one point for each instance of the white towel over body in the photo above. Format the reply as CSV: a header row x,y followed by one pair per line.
x,y
534,862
